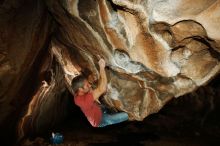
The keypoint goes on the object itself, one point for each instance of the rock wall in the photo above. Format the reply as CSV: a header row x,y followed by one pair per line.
x,y
155,51
25,32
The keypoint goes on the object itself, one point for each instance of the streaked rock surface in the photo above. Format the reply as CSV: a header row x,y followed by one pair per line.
x,y
155,51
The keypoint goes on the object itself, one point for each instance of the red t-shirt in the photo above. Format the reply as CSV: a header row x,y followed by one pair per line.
x,y
90,108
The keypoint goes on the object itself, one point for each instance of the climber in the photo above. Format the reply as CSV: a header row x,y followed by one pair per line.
x,y
88,100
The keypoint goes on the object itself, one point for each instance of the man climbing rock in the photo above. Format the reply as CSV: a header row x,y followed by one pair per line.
x,y
88,100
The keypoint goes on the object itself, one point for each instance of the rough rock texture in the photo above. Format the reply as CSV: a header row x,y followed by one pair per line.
x,y
155,50
25,30
192,119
